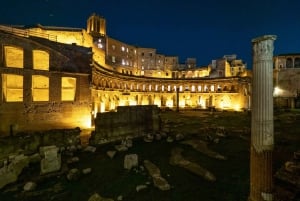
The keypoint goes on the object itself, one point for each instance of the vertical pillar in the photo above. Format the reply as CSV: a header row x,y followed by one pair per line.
x,y
177,99
262,130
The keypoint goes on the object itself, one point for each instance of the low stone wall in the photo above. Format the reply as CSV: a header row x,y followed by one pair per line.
x,y
25,143
128,121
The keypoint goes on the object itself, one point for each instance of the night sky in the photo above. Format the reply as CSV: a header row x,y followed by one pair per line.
x,y
205,30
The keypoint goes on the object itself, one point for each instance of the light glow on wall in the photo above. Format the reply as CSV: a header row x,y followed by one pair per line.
x,y
237,107
145,101
277,91
132,102
157,102
87,122
182,103
112,105
169,103
102,107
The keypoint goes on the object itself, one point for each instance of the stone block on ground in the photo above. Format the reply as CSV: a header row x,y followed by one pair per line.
x,y
51,161
97,197
90,149
158,180
86,170
121,147
130,161
111,154
138,188
73,174
177,159
29,186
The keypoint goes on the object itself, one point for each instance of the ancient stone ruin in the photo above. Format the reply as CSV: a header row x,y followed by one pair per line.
x,y
131,121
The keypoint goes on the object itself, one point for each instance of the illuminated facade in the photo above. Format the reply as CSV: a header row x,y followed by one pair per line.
x,y
57,77
287,80
228,66
43,84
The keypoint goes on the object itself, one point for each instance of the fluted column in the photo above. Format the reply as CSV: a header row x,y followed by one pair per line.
x,y
262,128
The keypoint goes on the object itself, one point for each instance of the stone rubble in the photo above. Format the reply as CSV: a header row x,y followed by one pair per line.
x,y
97,197
201,146
149,138
74,159
111,153
138,188
86,171
158,180
10,172
90,149
52,159
73,174
130,161
287,179
29,186
177,159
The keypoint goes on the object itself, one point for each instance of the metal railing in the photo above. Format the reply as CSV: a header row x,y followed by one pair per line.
x,y
27,33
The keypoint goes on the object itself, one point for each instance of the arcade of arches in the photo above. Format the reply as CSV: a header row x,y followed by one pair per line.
x,y
110,90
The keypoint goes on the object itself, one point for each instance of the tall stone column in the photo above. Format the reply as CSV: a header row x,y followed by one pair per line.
x,y
262,128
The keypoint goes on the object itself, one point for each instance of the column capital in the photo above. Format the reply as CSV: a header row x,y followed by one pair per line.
x,y
264,37
263,47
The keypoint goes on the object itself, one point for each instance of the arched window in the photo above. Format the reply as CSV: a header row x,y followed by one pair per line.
x,y
289,63
297,62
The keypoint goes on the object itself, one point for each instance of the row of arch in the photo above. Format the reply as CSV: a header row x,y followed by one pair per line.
x,y
110,101
293,62
159,86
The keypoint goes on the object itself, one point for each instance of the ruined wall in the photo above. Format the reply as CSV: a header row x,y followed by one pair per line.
x,y
21,112
127,121
28,143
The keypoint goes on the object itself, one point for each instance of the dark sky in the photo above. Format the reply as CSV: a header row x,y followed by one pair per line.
x,y
202,29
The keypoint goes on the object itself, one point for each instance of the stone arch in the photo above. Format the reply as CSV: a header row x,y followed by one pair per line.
x,y
289,62
297,62
150,100
232,88
106,83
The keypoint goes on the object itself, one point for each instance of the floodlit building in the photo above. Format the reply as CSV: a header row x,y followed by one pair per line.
x,y
287,80
61,77
228,66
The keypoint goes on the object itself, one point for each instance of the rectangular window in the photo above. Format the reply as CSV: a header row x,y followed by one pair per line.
x,y
12,86
68,88
40,60
13,57
40,88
